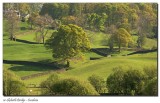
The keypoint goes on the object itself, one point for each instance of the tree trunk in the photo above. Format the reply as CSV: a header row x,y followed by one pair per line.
x,y
31,25
119,43
68,63
43,40
111,47
11,37
119,47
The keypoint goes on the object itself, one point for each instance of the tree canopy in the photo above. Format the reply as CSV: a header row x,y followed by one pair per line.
x,y
69,41
12,85
12,24
73,87
122,38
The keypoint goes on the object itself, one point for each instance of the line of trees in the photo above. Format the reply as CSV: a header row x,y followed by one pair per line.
x,y
135,18
98,17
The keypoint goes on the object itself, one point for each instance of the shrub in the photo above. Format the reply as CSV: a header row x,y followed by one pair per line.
x,y
115,81
129,82
47,84
151,88
133,80
151,82
72,87
150,72
12,85
97,82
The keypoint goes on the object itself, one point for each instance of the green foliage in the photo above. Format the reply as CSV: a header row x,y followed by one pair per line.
x,y
115,81
97,82
47,84
73,87
69,41
23,7
133,81
12,24
32,18
96,21
12,85
122,38
150,72
130,82
42,23
139,17
141,40
69,20
120,15
111,30
75,9
55,10
151,88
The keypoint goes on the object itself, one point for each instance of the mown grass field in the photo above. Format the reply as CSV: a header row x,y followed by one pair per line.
x,y
103,67
21,51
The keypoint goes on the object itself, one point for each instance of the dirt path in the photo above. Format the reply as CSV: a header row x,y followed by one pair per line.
x,y
42,74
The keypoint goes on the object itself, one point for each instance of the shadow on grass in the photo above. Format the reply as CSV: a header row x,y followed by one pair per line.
x,y
25,41
42,68
143,52
104,51
31,66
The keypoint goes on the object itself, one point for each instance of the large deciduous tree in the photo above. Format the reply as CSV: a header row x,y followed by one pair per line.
x,y
69,41
12,23
43,23
32,18
122,38
111,30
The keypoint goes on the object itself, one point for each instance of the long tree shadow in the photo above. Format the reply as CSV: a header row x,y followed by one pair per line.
x,y
31,66
25,41
42,67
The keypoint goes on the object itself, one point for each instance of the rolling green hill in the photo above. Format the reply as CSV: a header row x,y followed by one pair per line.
x,y
26,49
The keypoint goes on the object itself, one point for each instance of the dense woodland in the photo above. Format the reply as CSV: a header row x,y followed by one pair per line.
x,y
135,18
65,31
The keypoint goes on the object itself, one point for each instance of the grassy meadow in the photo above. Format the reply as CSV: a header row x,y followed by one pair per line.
x,y
26,50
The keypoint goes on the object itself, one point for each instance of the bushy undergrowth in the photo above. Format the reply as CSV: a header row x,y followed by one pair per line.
x,y
12,85
133,82
67,87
